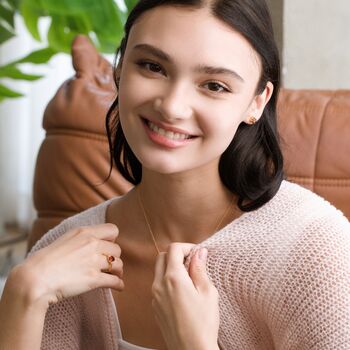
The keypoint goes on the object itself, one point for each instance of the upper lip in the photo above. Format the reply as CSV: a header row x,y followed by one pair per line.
x,y
168,128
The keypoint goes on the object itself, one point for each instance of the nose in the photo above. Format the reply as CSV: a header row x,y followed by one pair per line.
x,y
174,103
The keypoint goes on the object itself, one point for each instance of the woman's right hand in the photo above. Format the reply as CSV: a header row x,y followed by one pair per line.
x,y
73,264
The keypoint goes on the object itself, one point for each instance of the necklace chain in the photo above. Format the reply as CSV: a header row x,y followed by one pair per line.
x,y
149,225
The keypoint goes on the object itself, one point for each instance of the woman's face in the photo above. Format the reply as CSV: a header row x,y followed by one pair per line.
x,y
187,81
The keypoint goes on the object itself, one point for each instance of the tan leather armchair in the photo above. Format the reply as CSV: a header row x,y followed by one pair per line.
x,y
73,160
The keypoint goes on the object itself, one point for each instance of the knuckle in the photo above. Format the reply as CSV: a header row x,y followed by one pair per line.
x,y
93,285
171,279
174,246
120,263
92,241
118,250
156,290
154,304
81,230
119,284
93,279
112,227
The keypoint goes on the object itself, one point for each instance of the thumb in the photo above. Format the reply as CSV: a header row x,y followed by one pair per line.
x,y
198,271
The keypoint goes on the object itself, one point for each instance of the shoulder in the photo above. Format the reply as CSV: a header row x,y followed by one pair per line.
x,y
310,224
312,292
301,205
282,226
323,242
322,231
92,216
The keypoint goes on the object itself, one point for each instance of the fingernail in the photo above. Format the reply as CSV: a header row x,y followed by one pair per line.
x,y
203,252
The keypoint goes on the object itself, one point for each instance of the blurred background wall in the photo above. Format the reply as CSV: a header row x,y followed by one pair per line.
x,y
314,40
20,127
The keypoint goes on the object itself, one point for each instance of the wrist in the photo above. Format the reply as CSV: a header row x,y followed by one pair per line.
x,y
22,286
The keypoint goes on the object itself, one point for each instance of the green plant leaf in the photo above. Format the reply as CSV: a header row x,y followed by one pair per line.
x,y
80,24
108,44
37,57
7,15
5,34
70,7
130,4
60,36
14,4
102,20
108,25
13,72
31,15
6,92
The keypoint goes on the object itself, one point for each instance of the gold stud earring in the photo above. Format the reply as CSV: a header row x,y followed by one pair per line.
x,y
252,120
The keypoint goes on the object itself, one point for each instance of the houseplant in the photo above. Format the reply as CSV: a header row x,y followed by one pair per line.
x,y
101,20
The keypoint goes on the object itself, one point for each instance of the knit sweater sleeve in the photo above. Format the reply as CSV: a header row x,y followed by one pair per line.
x,y
313,309
63,326
62,320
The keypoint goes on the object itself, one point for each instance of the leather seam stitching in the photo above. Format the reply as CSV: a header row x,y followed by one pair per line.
x,y
81,134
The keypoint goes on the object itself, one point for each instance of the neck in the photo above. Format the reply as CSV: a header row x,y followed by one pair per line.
x,y
184,208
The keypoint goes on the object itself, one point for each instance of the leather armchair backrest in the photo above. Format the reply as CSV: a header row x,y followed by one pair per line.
x,y
315,130
73,160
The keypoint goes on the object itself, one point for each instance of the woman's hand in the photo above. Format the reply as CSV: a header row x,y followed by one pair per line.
x,y
73,264
185,303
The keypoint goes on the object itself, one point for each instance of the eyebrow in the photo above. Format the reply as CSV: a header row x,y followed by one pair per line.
x,y
200,68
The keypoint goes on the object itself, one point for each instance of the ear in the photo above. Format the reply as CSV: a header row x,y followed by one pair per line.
x,y
258,104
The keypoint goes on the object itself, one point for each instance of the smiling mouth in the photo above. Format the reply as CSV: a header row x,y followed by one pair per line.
x,y
168,134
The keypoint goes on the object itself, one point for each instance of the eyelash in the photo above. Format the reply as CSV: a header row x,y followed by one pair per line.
x,y
224,89
144,64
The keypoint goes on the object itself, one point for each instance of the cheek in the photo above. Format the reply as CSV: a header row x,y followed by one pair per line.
x,y
129,93
220,124
136,90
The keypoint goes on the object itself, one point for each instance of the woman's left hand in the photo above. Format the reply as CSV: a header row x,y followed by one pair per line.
x,y
186,304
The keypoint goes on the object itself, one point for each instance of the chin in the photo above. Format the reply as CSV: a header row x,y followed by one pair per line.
x,y
163,168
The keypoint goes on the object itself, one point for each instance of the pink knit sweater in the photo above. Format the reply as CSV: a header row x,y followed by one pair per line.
x,y
282,272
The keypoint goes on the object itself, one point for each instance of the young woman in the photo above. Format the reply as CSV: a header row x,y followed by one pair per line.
x,y
211,248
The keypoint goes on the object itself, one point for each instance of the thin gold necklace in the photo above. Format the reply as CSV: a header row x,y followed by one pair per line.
x,y
149,225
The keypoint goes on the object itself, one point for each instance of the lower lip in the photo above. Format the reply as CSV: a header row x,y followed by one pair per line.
x,y
162,140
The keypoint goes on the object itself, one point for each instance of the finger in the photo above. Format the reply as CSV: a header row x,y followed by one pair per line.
x,y
107,232
114,267
109,258
109,248
197,270
106,280
176,255
160,268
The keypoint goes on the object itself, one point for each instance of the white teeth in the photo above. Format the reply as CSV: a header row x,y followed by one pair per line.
x,y
168,134
161,131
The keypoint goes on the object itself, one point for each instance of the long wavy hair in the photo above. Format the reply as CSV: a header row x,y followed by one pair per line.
x,y
252,165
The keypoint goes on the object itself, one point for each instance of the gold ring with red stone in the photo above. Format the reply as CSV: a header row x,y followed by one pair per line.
x,y
110,259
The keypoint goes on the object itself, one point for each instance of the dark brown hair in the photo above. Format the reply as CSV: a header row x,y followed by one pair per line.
x,y
252,165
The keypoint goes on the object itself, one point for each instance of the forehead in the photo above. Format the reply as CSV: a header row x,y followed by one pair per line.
x,y
193,37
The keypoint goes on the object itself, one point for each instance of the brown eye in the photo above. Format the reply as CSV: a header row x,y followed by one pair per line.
x,y
216,87
150,66
156,68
